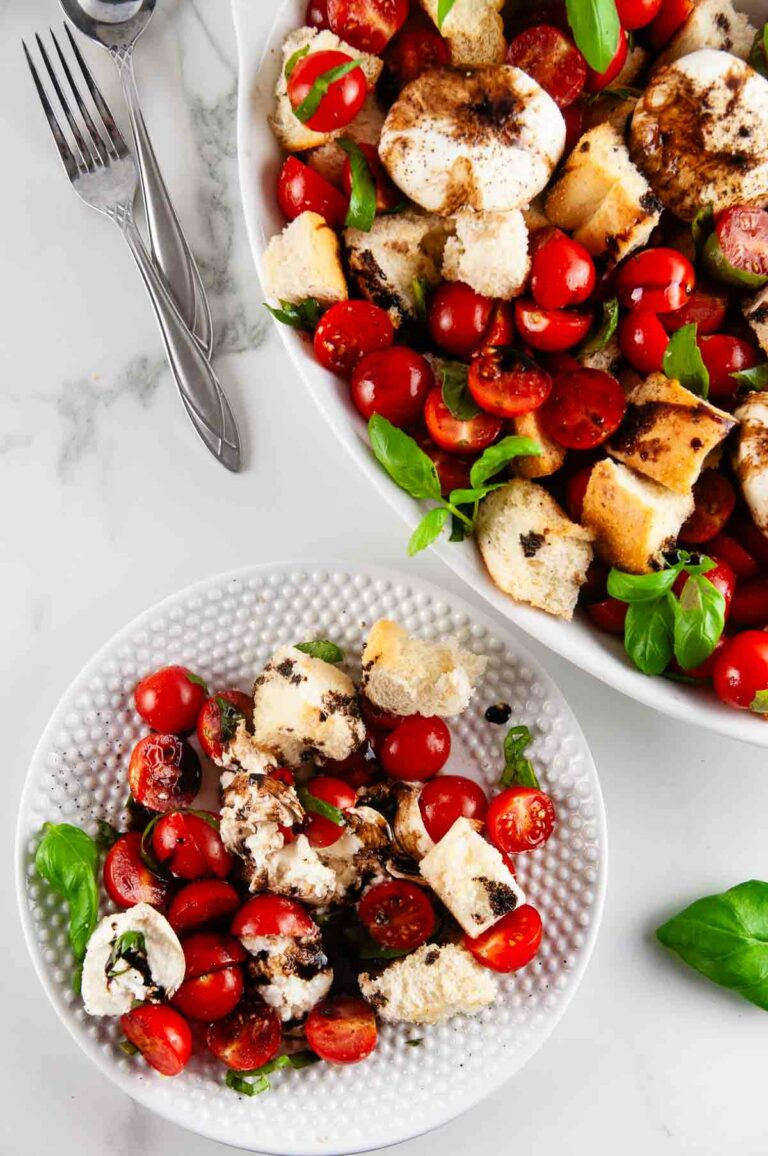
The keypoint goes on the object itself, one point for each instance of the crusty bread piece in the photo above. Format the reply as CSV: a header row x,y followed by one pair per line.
x,y
756,313
535,216
602,198
489,251
328,159
633,519
292,134
608,359
668,432
750,457
712,24
552,456
403,675
610,108
430,985
400,249
305,261
474,31
532,550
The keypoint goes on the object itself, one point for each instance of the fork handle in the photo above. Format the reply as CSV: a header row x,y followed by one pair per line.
x,y
196,382
168,242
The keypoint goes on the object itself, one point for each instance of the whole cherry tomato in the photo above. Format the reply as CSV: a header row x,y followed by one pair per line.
x,y
417,48
417,749
455,435
723,356
344,98
721,577
202,902
575,490
348,332
562,271
248,1038
317,15
511,943
672,15
447,798
379,719
301,190
272,915
655,281
552,59
741,671
608,615
551,330
743,235
394,383
597,81
584,408
127,878
388,196
750,603
367,25
705,310
458,318
190,846
220,717
169,700
162,1036
320,831
398,914
507,384
740,561
715,501
211,996
643,341
342,1029
164,773
206,951
520,819
635,14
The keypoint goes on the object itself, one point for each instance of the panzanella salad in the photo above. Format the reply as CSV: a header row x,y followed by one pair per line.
x,y
533,237
348,876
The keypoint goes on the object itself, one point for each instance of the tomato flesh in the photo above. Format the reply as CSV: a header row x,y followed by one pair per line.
x,y
608,615
705,310
451,433
506,384
206,951
741,670
348,332
447,798
342,1029
584,408
551,330
162,1036
597,81
643,341
458,318
520,819
398,914
164,773
750,603
128,880
190,846
743,235
272,915
169,700
317,15
247,1038
575,491
417,749
511,943
452,471
301,190
219,719
394,383
562,271
344,98
321,831
202,902
723,355
715,501
212,996
367,25
740,560
672,15
552,59
655,281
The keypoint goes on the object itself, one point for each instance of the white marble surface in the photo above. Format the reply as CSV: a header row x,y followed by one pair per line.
x,y
108,504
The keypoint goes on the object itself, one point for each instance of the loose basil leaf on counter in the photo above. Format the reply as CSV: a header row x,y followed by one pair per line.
x,y
443,10
596,29
518,770
702,225
725,938
758,57
106,835
649,634
420,286
456,393
752,380
317,806
362,202
328,651
294,60
403,459
311,102
641,587
68,859
606,328
684,363
305,315
428,530
497,456
759,704
699,621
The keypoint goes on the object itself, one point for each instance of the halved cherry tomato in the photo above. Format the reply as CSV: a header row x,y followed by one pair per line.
x,y
723,356
552,59
458,318
715,501
506,384
349,331
655,281
643,341
202,902
320,831
301,190
750,603
164,773
704,671
190,846
706,310
456,436
206,951
520,819
447,798
169,700
608,615
511,943
743,529
562,271
743,235
394,383
672,15
219,719
740,561
417,48
344,98
398,914
452,471
380,719
342,1029
388,196
551,330
128,880
162,1036
575,489
741,670
248,1038
367,25
635,14
317,15
272,915
584,408
501,328
417,749
597,81
211,996
721,577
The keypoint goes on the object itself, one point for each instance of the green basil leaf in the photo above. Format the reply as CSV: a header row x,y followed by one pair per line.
x,y
458,530
311,102
69,860
469,497
456,393
596,29
443,10
702,225
414,1043
328,651
641,587
717,265
752,380
196,680
649,633
305,315
518,770
130,943
605,330
725,938
403,459
230,718
145,853
758,57
317,806
684,363
236,1082
759,703
296,1060
294,60
420,285
699,621
362,202
106,835
428,530
499,455
129,1048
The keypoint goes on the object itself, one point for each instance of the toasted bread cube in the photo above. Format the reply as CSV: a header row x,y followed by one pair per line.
x,y
756,313
552,456
712,24
305,261
668,432
612,109
633,519
532,550
750,457
399,250
328,159
474,31
608,359
431,985
489,251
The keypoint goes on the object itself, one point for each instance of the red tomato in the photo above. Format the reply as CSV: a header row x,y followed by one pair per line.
x,y
190,846
164,773
170,699
317,15
393,382
202,902
416,49
562,271
162,1036
367,25
520,819
743,529
459,437
301,190
723,356
742,563
715,500
452,471
501,330
635,14
643,341
741,669
505,384
206,951
750,603
349,331
357,769
342,1029
248,1038
721,577
655,281
458,318
743,235
597,81
707,310
320,831
595,588
704,671
511,943
608,615
344,98
584,408
211,996
388,196
575,490
551,330
417,749
127,879
381,720
448,798
219,719
574,116
398,915
272,915
672,15
552,59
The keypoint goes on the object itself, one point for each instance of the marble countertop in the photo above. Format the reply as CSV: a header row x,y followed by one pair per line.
x,y
108,504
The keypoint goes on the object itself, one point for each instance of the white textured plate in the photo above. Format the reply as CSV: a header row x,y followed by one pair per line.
x,y
225,629
259,37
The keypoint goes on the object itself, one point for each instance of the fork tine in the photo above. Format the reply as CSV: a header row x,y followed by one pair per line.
x,y
68,158
85,152
115,136
98,141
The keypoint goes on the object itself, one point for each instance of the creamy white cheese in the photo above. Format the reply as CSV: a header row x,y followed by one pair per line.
x,y
110,985
293,997
292,973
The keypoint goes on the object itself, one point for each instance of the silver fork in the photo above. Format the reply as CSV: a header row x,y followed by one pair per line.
x,y
103,172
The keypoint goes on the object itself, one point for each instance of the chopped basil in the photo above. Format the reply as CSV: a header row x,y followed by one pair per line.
x,y
456,393
244,1087
605,328
752,380
622,93
420,286
596,30
443,11
230,718
758,57
414,1043
240,1081
362,202
294,60
129,1048
518,770
428,530
321,648
311,102
305,315
759,704
684,363
126,946
106,835
197,681
319,807
499,455
68,859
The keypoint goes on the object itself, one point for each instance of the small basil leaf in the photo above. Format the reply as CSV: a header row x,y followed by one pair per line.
x,y
702,225
317,806
236,1082
456,393
196,680
499,455
106,835
596,29
684,363
69,860
717,265
428,530
758,56
759,703
443,10
362,202
328,651
518,770
403,459
458,530
296,1060
649,633
124,950
230,718
752,380
469,497
605,330
414,1043
699,621
641,587
294,60
129,1048
305,315
311,102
